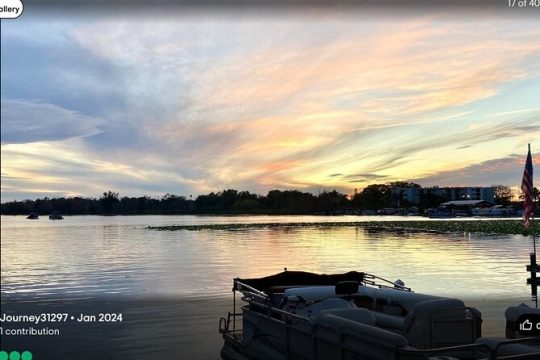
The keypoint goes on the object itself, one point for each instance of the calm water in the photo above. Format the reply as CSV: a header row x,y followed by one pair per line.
x,y
173,286
94,255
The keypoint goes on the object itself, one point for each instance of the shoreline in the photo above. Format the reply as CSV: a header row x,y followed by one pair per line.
x,y
492,227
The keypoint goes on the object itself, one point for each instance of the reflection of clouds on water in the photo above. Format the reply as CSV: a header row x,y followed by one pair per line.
x,y
93,255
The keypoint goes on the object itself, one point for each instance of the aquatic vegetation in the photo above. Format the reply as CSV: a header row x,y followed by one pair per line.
x,y
509,227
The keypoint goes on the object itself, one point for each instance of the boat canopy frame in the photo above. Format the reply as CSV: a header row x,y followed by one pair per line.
x,y
266,285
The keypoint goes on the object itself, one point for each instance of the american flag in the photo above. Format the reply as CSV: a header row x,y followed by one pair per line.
x,y
527,188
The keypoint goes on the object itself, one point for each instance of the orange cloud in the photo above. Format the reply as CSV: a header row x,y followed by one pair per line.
x,y
286,102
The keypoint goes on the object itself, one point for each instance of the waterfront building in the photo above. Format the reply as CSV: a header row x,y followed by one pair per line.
x,y
409,195
412,195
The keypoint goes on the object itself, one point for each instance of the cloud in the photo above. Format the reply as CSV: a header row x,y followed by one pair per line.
x,y
24,122
54,69
507,170
197,104
10,9
65,167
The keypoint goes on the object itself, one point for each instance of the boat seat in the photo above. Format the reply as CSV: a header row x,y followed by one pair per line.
x,y
354,314
389,322
512,315
441,323
389,301
331,304
333,331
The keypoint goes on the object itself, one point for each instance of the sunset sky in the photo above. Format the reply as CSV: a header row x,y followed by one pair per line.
x,y
189,103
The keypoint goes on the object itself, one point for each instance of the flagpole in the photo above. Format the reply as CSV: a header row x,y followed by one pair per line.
x,y
532,218
533,234
535,295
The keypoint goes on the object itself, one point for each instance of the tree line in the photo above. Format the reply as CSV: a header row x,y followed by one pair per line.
x,y
287,202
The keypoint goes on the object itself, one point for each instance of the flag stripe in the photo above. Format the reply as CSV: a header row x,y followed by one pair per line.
x,y
527,188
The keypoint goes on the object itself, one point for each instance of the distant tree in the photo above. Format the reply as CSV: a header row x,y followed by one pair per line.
x,y
143,205
273,200
503,194
376,196
128,205
227,199
174,204
289,202
246,206
208,203
331,201
536,196
43,206
404,184
109,201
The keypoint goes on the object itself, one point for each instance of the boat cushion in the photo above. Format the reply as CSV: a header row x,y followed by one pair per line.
x,y
313,310
440,323
363,332
355,314
389,322
513,315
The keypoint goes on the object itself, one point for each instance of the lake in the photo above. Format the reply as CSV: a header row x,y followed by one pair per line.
x,y
172,286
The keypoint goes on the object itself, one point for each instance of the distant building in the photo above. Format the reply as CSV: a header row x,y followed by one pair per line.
x,y
468,193
406,195
413,195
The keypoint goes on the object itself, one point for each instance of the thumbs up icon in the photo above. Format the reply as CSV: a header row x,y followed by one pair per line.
x,y
526,325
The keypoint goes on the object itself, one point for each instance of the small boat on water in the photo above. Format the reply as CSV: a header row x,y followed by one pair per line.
x,y
55,216
356,315
33,216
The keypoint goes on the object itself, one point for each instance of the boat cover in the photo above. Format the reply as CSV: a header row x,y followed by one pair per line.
x,y
299,278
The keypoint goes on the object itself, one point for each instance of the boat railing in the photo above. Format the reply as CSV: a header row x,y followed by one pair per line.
x,y
524,341
371,279
248,290
491,353
228,327
475,348
480,351
225,323
532,356
229,324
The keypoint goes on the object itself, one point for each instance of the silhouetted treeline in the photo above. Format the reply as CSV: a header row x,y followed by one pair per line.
x,y
373,197
224,202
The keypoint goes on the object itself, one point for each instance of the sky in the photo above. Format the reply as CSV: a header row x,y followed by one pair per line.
x,y
199,101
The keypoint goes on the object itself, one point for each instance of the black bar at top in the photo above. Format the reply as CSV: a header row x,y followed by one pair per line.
x,y
247,4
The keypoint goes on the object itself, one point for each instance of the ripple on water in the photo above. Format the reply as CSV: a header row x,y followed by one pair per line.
x,y
113,255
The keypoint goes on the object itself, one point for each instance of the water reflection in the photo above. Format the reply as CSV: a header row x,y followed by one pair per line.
x,y
91,255
103,258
